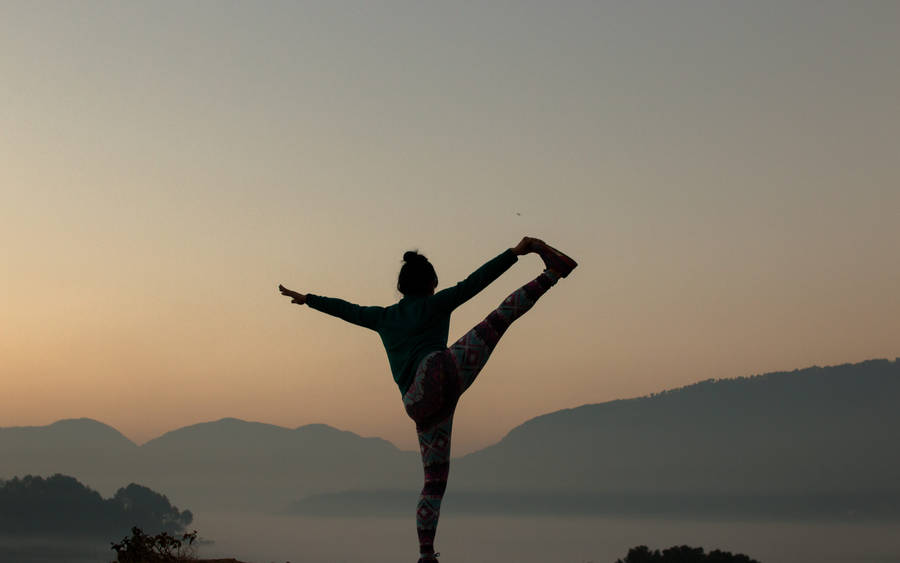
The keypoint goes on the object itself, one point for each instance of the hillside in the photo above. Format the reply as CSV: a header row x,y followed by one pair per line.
x,y
820,429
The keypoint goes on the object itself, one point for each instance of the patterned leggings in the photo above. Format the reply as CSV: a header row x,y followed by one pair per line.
x,y
439,381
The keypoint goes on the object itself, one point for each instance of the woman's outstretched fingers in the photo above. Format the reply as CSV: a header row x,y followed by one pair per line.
x,y
296,297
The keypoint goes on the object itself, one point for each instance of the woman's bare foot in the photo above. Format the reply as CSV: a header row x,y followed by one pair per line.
x,y
555,260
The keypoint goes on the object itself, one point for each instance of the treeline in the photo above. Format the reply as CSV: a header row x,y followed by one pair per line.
x,y
62,506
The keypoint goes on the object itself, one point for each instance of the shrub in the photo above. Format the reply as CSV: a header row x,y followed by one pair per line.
x,y
682,554
161,548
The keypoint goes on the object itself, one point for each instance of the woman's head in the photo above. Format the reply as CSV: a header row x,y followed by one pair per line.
x,y
417,276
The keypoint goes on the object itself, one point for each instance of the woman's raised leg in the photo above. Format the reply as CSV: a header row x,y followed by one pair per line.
x,y
471,352
467,356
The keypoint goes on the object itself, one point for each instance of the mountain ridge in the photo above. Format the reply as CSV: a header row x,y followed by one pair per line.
x,y
68,426
326,427
698,384
809,431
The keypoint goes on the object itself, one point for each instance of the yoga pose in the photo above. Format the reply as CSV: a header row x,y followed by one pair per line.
x,y
432,376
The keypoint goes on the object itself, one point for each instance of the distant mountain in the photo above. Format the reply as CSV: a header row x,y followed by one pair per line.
x,y
91,450
80,433
235,464
226,464
815,430
821,439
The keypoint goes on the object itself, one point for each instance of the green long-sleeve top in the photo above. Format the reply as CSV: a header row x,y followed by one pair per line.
x,y
416,325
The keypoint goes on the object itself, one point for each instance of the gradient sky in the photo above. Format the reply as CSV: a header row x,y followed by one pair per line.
x,y
726,173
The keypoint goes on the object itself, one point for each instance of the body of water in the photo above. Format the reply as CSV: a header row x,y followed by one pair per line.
x,y
492,539
261,538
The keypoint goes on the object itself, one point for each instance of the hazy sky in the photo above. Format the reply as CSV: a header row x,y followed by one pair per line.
x,y
725,172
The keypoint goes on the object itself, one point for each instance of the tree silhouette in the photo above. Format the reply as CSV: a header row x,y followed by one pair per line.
x,y
62,506
146,508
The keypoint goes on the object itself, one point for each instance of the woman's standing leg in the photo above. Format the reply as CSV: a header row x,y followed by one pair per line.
x,y
434,443
471,352
462,361
431,401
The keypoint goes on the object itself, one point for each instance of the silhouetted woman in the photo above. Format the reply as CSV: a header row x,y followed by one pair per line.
x,y
430,375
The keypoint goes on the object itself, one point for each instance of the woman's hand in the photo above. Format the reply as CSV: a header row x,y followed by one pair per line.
x,y
297,298
526,245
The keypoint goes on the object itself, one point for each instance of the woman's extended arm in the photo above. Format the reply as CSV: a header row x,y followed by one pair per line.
x,y
363,316
455,296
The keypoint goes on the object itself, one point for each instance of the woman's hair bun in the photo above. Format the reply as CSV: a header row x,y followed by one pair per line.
x,y
413,256
417,275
